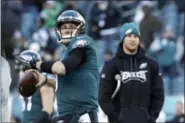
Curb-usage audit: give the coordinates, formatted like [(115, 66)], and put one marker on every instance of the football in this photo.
[(27, 83)]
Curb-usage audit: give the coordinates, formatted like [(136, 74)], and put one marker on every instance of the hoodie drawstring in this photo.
[(140, 99), (135, 65), (131, 64), (132, 102)]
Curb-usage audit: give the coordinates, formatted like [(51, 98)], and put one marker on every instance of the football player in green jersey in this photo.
[(77, 70)]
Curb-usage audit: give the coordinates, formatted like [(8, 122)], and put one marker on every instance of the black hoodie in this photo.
[(141, 91)]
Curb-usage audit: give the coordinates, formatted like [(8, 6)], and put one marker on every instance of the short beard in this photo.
[(130, 51)]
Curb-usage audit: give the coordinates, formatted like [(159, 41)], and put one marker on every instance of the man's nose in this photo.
[(133, 38), (68, 31)]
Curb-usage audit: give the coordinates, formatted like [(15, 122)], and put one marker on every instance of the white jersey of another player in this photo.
[(4, 88)]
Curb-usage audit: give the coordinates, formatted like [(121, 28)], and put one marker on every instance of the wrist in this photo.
[(43, 80), (46, 66)]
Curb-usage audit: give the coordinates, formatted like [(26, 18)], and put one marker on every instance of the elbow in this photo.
[(58, 68), (58, 72)]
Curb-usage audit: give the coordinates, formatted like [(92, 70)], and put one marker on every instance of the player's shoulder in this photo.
[(83, 37), (82, 41)]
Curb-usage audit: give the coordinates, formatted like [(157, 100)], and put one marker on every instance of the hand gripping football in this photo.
[(28, 82)]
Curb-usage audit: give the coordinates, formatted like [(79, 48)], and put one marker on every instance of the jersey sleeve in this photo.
[(75, 59)]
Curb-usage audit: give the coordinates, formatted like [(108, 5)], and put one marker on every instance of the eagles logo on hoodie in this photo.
[(139, 75)]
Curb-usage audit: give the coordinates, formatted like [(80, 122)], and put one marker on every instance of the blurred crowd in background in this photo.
[(162, 36)]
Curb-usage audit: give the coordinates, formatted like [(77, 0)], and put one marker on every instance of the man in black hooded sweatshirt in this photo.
[(140, 97)]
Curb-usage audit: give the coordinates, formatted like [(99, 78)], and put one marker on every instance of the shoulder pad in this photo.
[(80, 44)]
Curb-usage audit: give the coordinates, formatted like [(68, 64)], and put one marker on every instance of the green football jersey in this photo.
[(78, 90)]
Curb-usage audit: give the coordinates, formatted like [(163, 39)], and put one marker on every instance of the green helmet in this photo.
[(70, 16)]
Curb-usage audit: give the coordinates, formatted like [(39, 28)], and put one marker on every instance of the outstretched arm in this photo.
[(76, 58)]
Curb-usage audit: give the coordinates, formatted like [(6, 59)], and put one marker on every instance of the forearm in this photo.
[(74, 60), (55, 67), (47, 96)]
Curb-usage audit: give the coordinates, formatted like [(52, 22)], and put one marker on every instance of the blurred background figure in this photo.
[(71, 5), (30, 12), (50, 12), (149, 25), (10, 11), (29, 24), (179, 114), (166, 50), (107, 56), (5, 91), (105, 19)]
